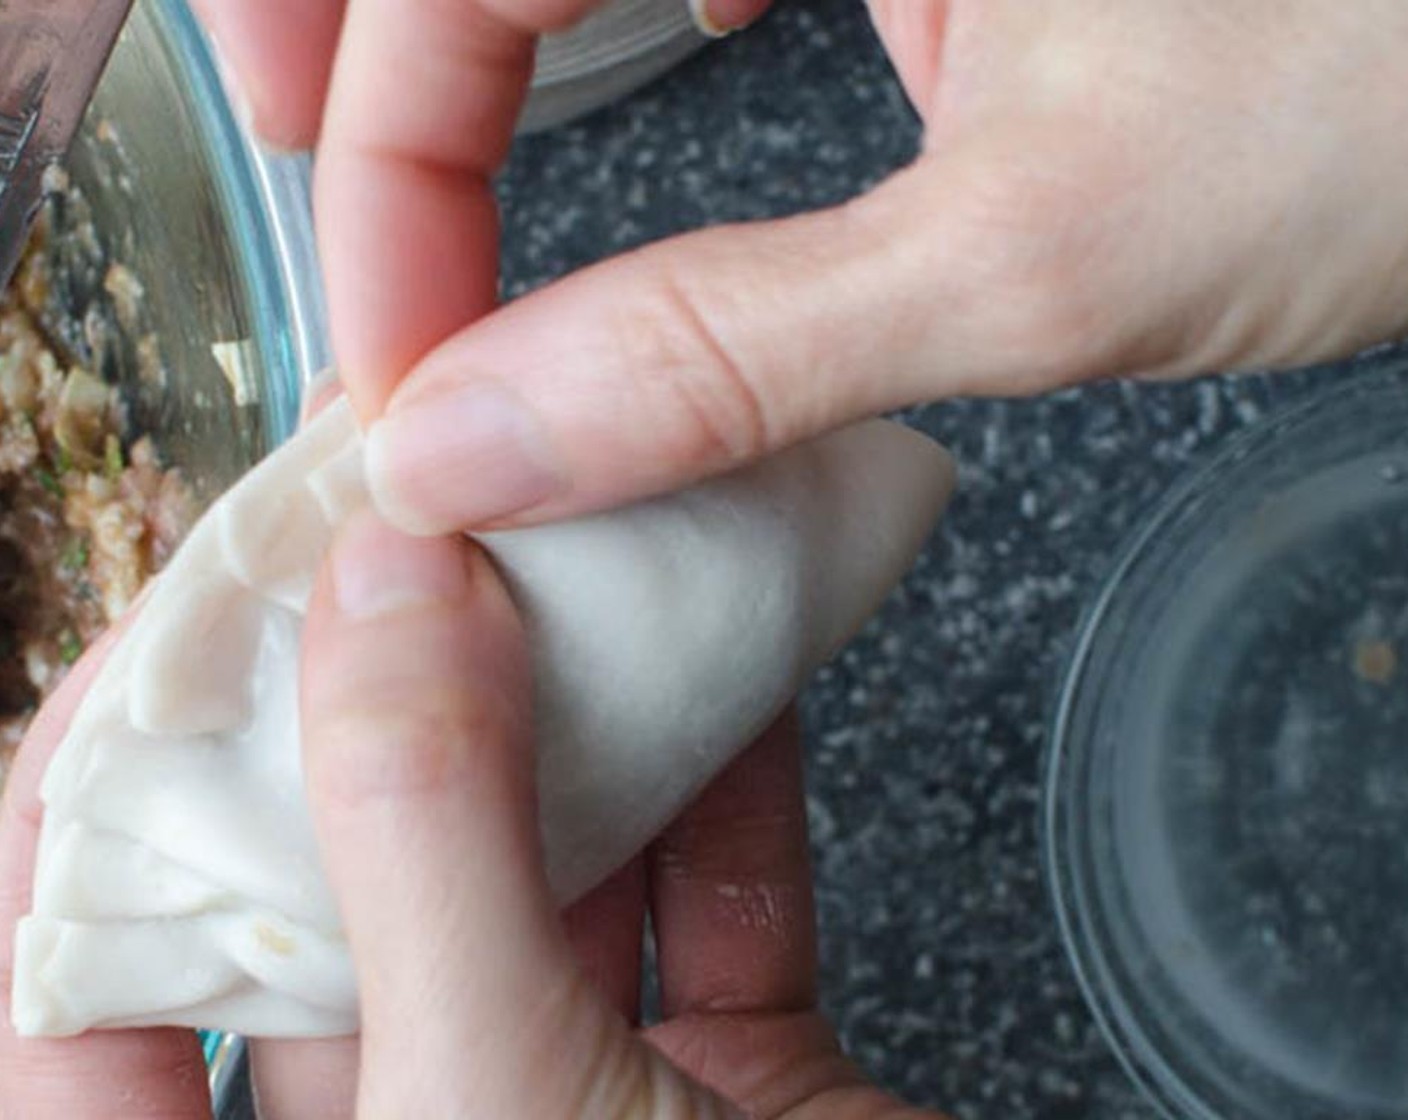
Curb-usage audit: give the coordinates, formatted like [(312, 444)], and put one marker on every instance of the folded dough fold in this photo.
[(178, 881)]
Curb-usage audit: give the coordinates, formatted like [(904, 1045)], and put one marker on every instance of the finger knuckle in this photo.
[(707, 400), (625, 1080), (1033, 235), (369, 754)]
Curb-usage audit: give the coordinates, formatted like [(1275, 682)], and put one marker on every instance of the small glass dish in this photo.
[(1226, 805)]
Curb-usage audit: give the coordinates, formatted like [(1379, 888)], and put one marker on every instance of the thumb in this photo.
[(420, 770), (693, 356)]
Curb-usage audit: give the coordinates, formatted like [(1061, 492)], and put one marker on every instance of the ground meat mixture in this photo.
[(85, 518)]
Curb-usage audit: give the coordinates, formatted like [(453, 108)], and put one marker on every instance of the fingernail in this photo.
[(377, 571), (460, 459), (715, 18)]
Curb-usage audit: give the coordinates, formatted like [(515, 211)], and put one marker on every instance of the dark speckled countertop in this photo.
[(942, 962)]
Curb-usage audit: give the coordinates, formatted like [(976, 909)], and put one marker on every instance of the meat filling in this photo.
[(85, 518)]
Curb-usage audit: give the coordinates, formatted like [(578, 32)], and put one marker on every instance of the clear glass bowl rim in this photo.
[(266, 201), (1115, 1010)]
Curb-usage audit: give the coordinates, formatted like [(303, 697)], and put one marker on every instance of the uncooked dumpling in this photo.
[(178, 881)]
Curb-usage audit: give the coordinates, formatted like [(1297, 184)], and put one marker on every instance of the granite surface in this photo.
[(942, 962)]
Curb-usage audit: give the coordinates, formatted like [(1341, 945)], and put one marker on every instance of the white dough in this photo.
[(178, 881)]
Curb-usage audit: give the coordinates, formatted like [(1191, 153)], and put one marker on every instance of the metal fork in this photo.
[(52, 53)]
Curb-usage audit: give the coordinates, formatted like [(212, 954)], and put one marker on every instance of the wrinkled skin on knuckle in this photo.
[(392, 749), (702, 400), (617, 1079), (1029, 251), (606, 1072), (774, 1065)]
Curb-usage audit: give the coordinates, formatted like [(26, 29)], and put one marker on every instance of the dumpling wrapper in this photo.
[(178, 881)]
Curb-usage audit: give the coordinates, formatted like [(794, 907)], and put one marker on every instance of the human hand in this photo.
[(477, 1000), (1106, 188), (411, 124)]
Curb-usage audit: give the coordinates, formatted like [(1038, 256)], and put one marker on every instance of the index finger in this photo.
[(420, 113), (280, 54), (113, 1075)]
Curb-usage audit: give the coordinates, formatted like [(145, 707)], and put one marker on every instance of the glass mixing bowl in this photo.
[(1227, 796), (217, 235)]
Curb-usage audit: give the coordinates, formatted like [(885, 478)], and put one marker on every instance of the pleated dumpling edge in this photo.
[(178, 881)]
